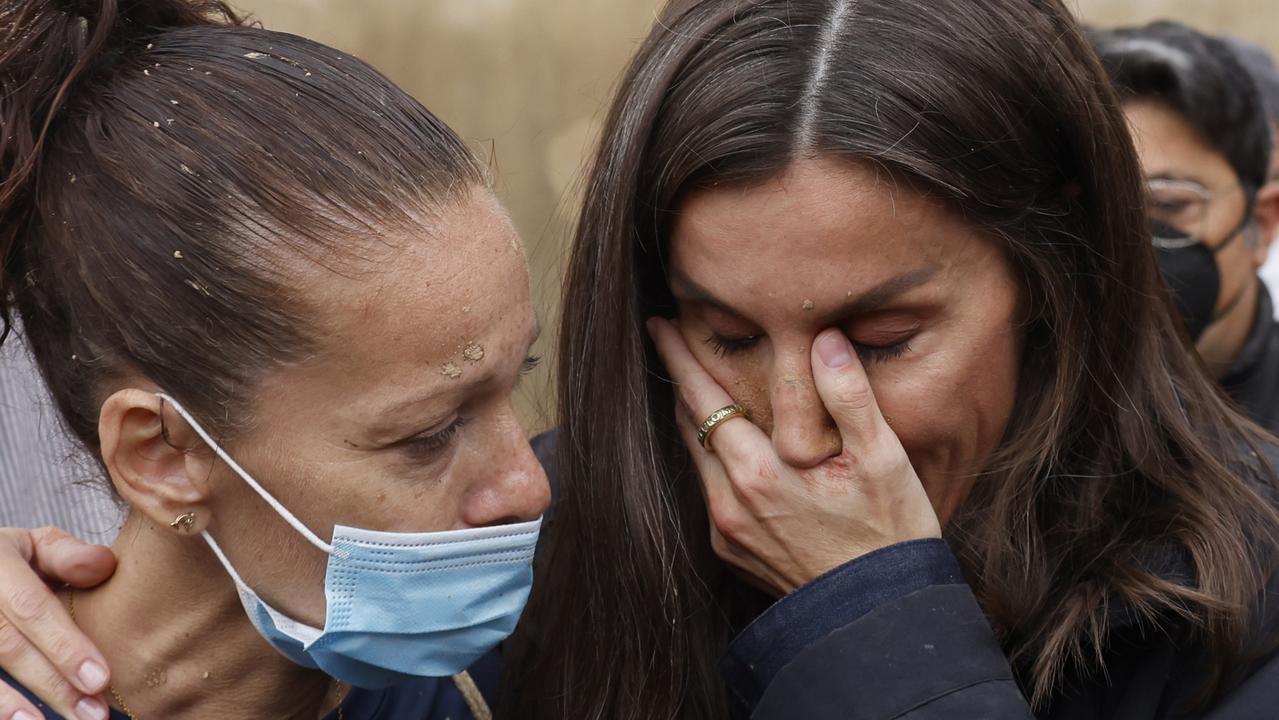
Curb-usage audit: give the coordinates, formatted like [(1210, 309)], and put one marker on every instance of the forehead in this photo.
[(822, 225), (409, 312), (1169, 145)]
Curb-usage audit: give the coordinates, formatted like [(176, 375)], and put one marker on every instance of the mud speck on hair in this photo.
[(451, 371), (473, 352), (809, 305)]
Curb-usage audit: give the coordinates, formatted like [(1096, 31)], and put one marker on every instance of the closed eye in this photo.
[(725, 346), (869, 354), (530, 364), (428, 444)]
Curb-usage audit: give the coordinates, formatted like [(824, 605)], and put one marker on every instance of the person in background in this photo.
[(1261, 66), (44, 478), (1205, 144)]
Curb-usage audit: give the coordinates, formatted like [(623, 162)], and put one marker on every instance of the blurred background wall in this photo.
[(526, 82)]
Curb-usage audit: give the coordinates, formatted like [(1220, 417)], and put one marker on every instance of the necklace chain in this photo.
[(115, 695)]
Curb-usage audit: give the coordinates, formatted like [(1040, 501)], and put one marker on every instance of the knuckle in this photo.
[(886, 460), (61, 649), (855, 393), (12, 642), (18, 541), (29, 603), (727, 522), (57, 688), (48, 536), (719, 546)]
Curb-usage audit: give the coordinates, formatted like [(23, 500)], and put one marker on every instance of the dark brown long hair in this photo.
[(164, 169), (1119, 449)]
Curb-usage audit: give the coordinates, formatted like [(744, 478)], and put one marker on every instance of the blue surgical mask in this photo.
[(397, 605)]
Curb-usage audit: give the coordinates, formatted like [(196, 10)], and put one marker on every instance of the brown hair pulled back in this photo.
[(163, 170), (1120, 448)]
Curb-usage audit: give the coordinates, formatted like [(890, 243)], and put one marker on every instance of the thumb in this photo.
[(844, 389), (58, 556)]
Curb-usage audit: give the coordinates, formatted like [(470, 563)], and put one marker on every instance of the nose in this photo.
[(804, 435), (511, 485)]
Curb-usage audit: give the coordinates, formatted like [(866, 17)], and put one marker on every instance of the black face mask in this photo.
[(1190, 269), (1192, 275)]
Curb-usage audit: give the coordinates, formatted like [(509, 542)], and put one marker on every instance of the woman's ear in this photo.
[(147, 449), (1267, 215)]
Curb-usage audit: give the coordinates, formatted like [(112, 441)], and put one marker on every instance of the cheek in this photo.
[(950, 409), (749, 389), (744, 377)]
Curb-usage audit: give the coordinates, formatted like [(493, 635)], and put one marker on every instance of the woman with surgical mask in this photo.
[(275, 297)]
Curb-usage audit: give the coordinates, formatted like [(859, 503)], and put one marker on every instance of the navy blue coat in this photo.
[(898, 635)]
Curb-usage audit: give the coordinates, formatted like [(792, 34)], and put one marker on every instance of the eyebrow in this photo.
[(866, 302)]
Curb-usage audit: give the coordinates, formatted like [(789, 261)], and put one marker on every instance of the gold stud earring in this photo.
[(183, 522)]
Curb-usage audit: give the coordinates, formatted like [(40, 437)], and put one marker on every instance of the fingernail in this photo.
[(92, 676), (833, 349), (91, 709), (23, 715)]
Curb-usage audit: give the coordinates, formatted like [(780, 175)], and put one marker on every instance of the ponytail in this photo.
[(161, 164), (47, 47)]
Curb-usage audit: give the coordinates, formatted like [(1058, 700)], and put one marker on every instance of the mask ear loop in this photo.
[(1248, 222), (275, 504)]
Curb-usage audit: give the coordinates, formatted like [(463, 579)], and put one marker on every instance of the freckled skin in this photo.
[(837, 229), (325, 443)]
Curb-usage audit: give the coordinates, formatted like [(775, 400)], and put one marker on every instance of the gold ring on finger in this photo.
[(716, 418)]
